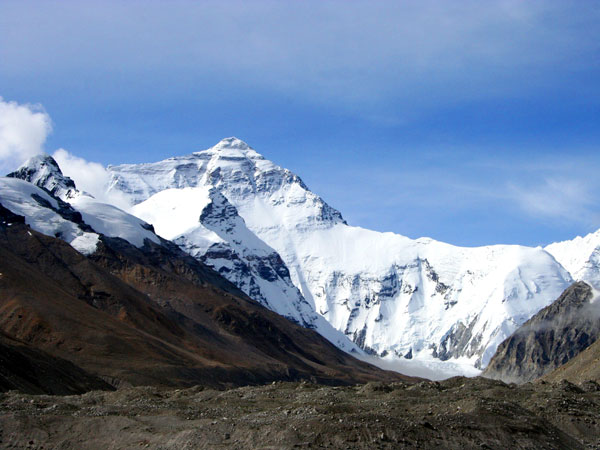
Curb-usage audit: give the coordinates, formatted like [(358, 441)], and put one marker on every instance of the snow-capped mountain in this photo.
[(580, 256), (46, 215), (146, 315), (207, 226), (43, 171), (180, 198), (391, 295), (203, 222), (74, 216)]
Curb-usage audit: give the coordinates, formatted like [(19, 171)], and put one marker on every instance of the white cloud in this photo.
[(90, 177), (23, 132), (562, 199)]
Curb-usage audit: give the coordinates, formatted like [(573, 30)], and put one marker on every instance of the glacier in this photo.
[(580, 256)]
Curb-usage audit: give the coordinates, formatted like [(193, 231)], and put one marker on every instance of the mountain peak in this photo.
[(42, 161), (232, 143), (43, 171)]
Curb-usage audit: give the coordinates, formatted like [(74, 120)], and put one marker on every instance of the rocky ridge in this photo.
[(551, 338)]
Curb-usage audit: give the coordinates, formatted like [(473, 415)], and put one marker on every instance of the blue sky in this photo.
[(470, 122)]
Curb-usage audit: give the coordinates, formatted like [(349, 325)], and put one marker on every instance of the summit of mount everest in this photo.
[(261, 227)]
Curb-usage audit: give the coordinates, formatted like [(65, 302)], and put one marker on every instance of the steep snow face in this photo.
[(44, 214), (44, 172), (204, 224), (391, 295), (580, 256), (420, 298)]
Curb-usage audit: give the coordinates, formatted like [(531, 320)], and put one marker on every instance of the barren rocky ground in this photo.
[(456, 413)]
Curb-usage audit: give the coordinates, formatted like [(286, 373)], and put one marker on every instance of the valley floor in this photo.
[(455, 413)]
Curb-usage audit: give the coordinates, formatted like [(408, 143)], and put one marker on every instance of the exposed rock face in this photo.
[(551, 338), (583, 368), (43, 171)]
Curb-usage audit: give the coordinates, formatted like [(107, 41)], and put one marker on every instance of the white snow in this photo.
[(345, 272), (112, 221), (17, 196), (43, 171), (580, 256), (87, 243), (172, 212), (175, 214), (430, 368)]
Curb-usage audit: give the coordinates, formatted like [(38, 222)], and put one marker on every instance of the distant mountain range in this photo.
[(259, 226)]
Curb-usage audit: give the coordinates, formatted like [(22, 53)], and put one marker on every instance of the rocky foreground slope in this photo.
[(458, 413), (584, 366), (25, 368)]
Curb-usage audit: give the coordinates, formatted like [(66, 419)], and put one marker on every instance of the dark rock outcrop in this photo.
[(549, 339)]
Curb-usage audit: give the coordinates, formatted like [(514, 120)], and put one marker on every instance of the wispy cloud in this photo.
[(90, 177), (23, 132), (567, 200)]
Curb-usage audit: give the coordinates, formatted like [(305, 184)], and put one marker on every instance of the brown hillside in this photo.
[(156, 318)]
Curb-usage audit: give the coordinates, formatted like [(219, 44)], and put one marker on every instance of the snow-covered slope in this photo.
[(393, 296), (114, 222), (209, 228), (580, 256), (41, 173), (44, 214)]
